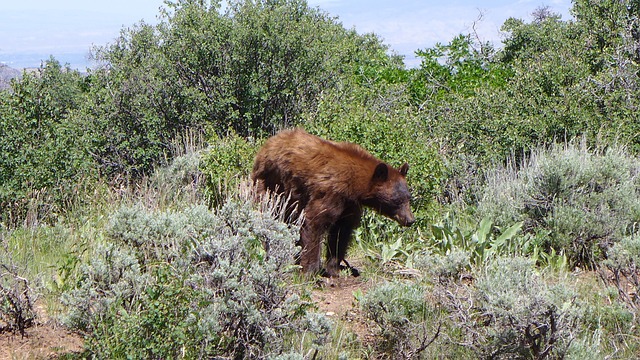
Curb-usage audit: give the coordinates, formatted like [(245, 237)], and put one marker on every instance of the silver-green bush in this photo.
[(518, 315), (571, 199), (444, 268), (525, 316), (192, 283), (408, 323), (623, 263)]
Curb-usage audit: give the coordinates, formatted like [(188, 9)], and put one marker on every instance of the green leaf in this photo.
[(483, 230), (507, 234)]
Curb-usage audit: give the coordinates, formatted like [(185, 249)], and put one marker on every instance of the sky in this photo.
[(32, 30)]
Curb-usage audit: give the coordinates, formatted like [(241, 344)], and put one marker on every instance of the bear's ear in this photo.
[(381, 173), (404, 169)]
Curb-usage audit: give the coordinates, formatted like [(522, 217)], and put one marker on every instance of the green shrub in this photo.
[(571, 200), (225, 164), (252, 68), (543, 86), (190, 283), (44, 166)]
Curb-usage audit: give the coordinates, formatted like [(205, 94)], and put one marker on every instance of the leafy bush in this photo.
[(460, 67), (190, 283), (43, 165), (552, 80), (570, 199), (226, 163), (251, 69)]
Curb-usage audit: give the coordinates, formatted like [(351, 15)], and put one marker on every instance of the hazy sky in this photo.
[(31, 30)]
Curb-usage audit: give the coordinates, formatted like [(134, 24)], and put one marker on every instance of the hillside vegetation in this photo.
[(126, 209)]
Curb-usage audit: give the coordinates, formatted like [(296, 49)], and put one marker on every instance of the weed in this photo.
[(17, 297)]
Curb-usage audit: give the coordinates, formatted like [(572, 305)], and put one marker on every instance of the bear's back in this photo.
[(296, 157)]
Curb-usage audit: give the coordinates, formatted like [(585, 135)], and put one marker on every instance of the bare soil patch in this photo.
[(40, 342), (44, 340), (336, 299)]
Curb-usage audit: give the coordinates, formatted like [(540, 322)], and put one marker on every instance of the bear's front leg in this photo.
[(339, 239)]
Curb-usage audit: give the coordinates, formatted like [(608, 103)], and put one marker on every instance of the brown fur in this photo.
[(331, 182)]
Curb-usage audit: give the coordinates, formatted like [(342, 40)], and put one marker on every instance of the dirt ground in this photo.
[(42, 341), (336, 299)]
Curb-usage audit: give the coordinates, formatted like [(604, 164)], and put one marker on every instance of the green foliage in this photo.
[(569, 199), (459, 67), (397, 251), (136, 105), (42, 163), (259, 65), (252, 69), (191, 283), (225, 163), (553, 80), (483, 243), (386, 243)]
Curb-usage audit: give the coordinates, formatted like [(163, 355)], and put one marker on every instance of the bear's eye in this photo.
[(401, 194)]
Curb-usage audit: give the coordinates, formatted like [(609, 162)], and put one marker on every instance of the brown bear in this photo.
[(331, 182)]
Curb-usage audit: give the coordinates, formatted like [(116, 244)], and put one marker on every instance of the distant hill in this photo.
[(6, 74)]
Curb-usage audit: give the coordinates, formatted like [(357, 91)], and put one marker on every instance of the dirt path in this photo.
[(336, 299), (40, 342), (45, 340)]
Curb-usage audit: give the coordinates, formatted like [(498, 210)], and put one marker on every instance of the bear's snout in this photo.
[(408, 221), (405, 218)]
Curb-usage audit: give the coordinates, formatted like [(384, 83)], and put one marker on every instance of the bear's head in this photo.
[(389, 194)]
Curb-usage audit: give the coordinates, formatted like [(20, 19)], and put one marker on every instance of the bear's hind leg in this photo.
[(314, 226)]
